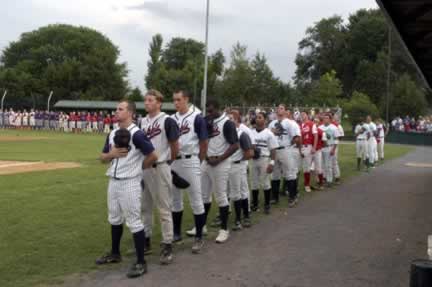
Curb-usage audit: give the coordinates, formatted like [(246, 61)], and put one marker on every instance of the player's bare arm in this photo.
[(174, 147), (315, 143), (272, 161), (203, 146)]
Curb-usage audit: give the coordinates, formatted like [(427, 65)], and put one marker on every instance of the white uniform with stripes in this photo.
[(124, 188), (188, 164), (215, 178)]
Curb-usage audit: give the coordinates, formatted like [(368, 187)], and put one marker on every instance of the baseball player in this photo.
[(361, 144), (381, 133), (223, 142), (124, 188), (25, 119), (287, 154), (238, 188), (163, 132), (107, 123), (336, 169), (330, 136), (263, 162), (317, 156), (100, 122), (193, 143), (32, 119), (280, 127), (309, 134), (371, 141)]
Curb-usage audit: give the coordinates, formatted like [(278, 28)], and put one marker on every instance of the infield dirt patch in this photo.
[(20, 139), (13, 167)]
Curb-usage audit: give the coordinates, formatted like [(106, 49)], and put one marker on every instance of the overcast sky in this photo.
[(273, 27)]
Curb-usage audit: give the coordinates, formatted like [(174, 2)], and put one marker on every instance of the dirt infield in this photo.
[(13, 167), (20, 139)]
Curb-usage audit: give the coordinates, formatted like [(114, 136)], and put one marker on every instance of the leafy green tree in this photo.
[(74, 62), (358, 107), (326, 91), (407, 98), (136, 95)]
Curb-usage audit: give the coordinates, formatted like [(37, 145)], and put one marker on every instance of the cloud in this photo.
[(179, 13)]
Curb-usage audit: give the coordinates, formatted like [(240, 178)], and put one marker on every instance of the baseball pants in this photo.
[(215, 181), (106, 129), (190, 170), (328, 164), (158, 193), (307, 158), (335, 163), (372, 149), (361, 149), (124, 203), (260, 177), (381, 148), (237, 180), (282, 165)]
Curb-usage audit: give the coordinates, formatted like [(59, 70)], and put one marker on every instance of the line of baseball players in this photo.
[(76, 122), (214, 154)]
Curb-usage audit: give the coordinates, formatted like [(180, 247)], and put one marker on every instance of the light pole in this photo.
[(388, 75), (2, 99), (204, 91), (49, 100)]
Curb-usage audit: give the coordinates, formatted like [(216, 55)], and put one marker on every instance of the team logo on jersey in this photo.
[(184, 128), (153, 130), (214, 131)]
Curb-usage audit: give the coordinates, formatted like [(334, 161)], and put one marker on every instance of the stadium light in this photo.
[(3, 98), (49, 100), (204, 90)]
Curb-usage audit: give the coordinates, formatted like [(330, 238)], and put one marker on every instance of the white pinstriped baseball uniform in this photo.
[(124, 188), (192, 130)]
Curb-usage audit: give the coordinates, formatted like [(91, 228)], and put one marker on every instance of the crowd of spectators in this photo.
[(422, 124)]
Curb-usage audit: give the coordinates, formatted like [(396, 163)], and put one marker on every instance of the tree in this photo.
[(154, 64), (74, 62), (407, 98), (265, 87), (136, 95), (358, 107), (327, 91)]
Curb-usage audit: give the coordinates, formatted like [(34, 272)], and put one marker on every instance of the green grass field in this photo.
[(54, 223)]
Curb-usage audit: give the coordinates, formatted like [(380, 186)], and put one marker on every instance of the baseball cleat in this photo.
[(166, 256), (177, 239), (247, 222), (308, 189), (237, 226), (222, 236), (137, 270), (192, 232), (292, 202), (109, 258), (197, 245)]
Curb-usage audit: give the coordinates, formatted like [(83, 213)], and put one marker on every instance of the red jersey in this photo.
[(107, 120), (308, 130), (94, 119), (114, 120), (88, 118), (320, 143)]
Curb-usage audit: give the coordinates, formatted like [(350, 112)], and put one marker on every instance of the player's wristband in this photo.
[(272, 162)]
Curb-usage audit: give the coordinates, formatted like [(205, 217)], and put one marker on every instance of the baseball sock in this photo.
[(295, 187), (275, 189), (206, 211), (223, 211), (237, 209), (291, 187), (255, 197), (177, 220), (286, 187), (245, 206), (307, 179), (139, 240), (358, 162), (116, 234), (267, 194), (321, 178), (199, 224)]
